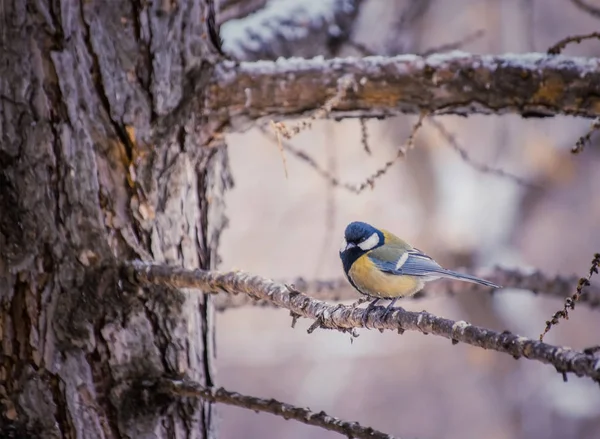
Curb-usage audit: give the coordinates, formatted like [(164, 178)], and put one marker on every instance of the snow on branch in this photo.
[(533, 85), (347, 319), (191, 389), (336, 290), (290, 28)]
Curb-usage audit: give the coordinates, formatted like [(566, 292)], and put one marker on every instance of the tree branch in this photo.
[(560, 46), (346, 319), (581, 4), (236, 9), (291, 28), (336, 290), (190, 389), (570, 301), (533, 85)]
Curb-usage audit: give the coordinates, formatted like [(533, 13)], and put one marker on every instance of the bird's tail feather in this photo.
[(468, 278)]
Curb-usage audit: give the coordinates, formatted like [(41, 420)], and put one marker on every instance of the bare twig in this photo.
[(344, 85), (346, 319), (366, 51), (330, 207), (581, 4), (575, 297), (469, 38), (402, 150), (336, 290), (236, 9), (278, 135), (192, 389), (362, 49), (369, 182), (364, 135), (583, 140), (481, 167), (559, 47)]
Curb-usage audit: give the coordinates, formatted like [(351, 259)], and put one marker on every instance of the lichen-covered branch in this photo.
[(335, 290), (533, 85), (570, 301), (290, 28), (191, 389), (346, 319)]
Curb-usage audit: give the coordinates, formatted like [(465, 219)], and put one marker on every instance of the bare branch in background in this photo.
[(582, 4), (347, 319), (469, 38), (291, 28), (559, 47), (192, 389), (481, 167), (571, 300), (345, 84), (369, 182), (236, 9), (337, 290), (585, 139), (366, 51), (364, 135), (533, 85)]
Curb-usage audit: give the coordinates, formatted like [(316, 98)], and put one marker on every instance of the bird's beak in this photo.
[(349, 246)]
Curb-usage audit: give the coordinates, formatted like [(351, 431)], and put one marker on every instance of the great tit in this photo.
[(383, 267)]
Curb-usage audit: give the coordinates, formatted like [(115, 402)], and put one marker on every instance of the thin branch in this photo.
[(337, 290), (481, 167), (364, 135), (559, 47), (191, 389), (581, 4), (586, 138), (237, 9), (369, 182), (575, 297), (286, 28), (345, 84), (347, 319), (278, 142), (469, 38), (363, 50), (533, 85)]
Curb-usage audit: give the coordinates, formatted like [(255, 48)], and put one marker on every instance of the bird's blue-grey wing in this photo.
[(410, 263)]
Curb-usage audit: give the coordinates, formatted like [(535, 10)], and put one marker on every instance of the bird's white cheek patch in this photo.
[(343, 246), (370, 242), (402, 260)]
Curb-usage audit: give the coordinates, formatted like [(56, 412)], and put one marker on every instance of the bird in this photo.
[(382, 266)]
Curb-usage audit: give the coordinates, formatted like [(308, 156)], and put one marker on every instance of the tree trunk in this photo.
[(82, 188)]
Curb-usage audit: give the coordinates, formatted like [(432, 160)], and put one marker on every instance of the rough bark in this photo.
[(81, 83), (532, 85)]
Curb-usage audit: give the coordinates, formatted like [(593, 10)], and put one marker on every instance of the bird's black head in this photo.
[(359, 238)]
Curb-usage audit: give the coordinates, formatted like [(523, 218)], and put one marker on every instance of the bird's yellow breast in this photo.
[(374, 282)]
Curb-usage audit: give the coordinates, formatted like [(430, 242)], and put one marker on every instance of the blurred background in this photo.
[(415, 385)]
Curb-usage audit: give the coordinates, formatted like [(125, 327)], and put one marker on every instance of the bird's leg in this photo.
[(367, 309), (388, 309)]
